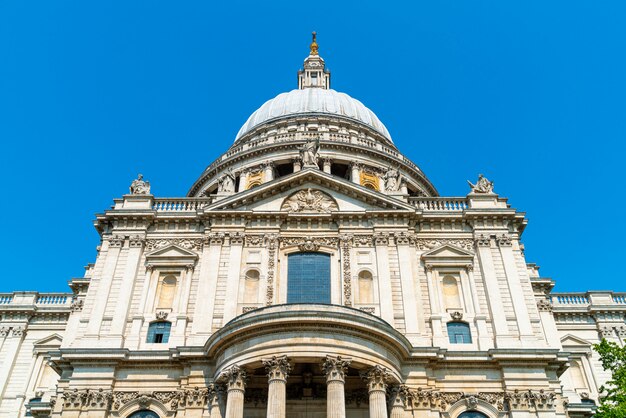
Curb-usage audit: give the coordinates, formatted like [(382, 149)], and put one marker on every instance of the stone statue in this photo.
[(392, 180), (139, 186), (483, 185), (309, 152), (226, 183)]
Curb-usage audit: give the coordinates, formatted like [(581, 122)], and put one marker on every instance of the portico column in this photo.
[(335, 369), (278, 369), (268, 171), (297, 164), (399, 396), (355, 172), (326, 163), (377, 378), (235, 378)]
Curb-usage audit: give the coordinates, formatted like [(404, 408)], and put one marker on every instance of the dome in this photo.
[(312, 101)]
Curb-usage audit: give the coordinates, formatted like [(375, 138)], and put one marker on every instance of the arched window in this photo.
[(472, 414), (167, 291), (143, 414), (459, 333), (366, 287), (159, 332), (308, 278), (450, 289), (251, 291)]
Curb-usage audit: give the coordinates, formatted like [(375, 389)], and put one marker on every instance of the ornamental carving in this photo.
[(621, 331), (502, 401), (606, 332), (105, 399), (278, 368), (18, 331), (136, 241), (400, 395), (429, 244), (309, 241), (309, 200), (271, 240), (77, 305), (381, 239), (186, 243), (140, 186), (161, 315), (215, 238), (483, 241), (376, 378), (308, 245), (335, 368), (116, 241), (402, 238), (235, 378), (482, 186), (456, 316), (309, 152), (544, 305), (363, 240), (4, 331), (346, 268), (236, 238), (504, 240)]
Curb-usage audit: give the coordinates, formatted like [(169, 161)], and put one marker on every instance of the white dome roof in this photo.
[(313, 100)]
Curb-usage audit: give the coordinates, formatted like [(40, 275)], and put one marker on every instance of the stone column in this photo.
[(268, 171), (377, 378), (278, 369), (297, 164), (243, 181), (326, 162), (399, 396), (355, 173), (335, 369), (235, 378)]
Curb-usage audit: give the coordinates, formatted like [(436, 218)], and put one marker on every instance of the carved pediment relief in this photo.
[(309, 200)]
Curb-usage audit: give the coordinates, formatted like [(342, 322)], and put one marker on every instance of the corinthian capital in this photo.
[(335, 368), (278, 368), (235, 378), (400, 395), (376, 378)]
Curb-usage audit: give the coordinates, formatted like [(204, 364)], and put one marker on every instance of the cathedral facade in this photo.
[(312, 270)]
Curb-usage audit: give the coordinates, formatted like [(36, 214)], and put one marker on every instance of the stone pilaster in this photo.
[(278, 369), (235, 378), (335, 369), (377, 378), (398, 401), (215, 401)]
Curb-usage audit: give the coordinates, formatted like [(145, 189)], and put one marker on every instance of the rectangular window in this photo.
[(308, 278)]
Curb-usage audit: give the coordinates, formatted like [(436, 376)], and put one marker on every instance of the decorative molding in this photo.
[(309, 200), (402, 238), (346, 241), (368, 309), (77, 305), (215, 238), (186, 243), (236, 238), (308, 245), (310, 241), (381, 239), (430, 244), (161, 315), (18, 331), (363, 240)]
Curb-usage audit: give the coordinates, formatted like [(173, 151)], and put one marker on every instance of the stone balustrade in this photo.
[(33, 299), (189, 204), (592, 298), (448, 204)]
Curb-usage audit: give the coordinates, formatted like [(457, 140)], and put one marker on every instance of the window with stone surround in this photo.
[(459, 332), (308, 278), (159, 332)]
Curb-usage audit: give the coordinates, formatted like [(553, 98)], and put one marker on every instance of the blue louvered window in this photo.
[(159, 332), (144, 414), (459, 333), (472, 414), (308, 278)]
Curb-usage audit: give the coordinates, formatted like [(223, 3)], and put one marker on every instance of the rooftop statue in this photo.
[(482, 186), (309, 152), (139, 186)]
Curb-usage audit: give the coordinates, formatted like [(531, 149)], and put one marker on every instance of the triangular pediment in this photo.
[(51, 342), (171, 255), (570, 340), (448, 255), (326, 194)]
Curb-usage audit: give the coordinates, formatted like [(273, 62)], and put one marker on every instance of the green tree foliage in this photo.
[(613, 403)]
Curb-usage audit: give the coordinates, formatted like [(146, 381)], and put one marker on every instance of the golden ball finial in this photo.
[(314, 44)]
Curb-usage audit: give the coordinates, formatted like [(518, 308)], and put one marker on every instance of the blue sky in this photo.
[(532, 94)]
